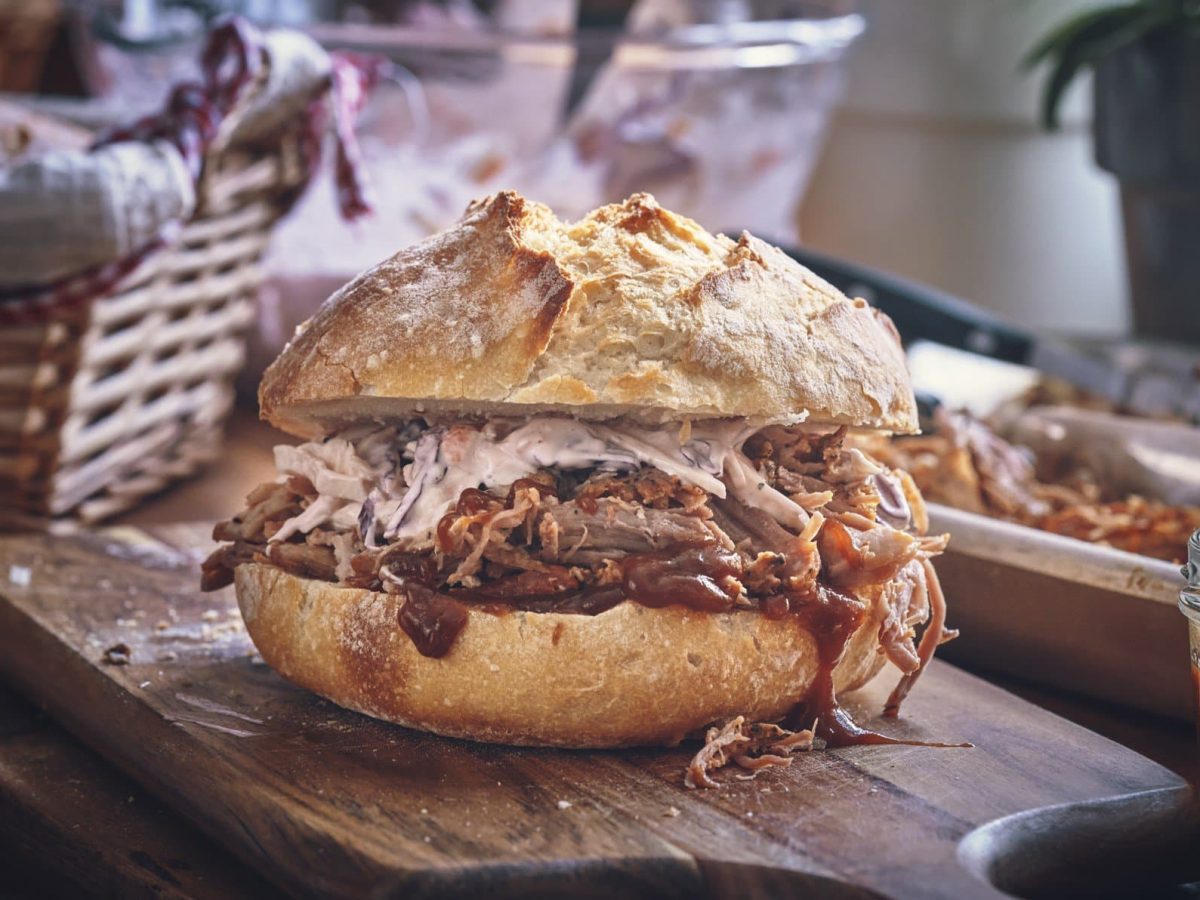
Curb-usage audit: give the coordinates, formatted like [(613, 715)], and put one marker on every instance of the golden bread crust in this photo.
[(632, 311)]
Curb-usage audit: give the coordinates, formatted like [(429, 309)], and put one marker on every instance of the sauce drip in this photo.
[(430, 619), (833, 618), (687, 575)]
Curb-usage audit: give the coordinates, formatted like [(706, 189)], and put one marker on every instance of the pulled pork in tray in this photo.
[(557, 515), (964, 464)]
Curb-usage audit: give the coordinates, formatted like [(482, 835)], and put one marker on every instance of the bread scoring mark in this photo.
[(634, 265), (555, 288), (641, 212)]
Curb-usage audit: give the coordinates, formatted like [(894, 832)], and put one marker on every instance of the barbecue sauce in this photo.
[(691, 575), (406, 566), (544, 488), (432, 620), (471, 502), (832, 618), (475, 501), (588, 601), (685, 575)]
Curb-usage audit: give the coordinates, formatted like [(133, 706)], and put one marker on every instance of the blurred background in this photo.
[(899, 133)]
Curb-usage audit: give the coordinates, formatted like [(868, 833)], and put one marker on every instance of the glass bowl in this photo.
[(719, 114)]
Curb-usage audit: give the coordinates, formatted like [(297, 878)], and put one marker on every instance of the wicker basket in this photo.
[(120, 396)]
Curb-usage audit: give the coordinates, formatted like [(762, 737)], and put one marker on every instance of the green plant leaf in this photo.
[(1066, 32), (1082, 45)]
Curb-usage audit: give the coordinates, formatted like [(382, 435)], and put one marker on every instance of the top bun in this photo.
[(631, 311)]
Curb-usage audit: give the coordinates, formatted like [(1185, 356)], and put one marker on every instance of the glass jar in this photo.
[(1189, 604)]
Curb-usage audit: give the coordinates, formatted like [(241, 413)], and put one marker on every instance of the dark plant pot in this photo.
[(1147, 133)]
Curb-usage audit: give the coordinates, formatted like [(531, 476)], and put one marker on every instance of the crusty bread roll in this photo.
[(631, 311), (631, 676)]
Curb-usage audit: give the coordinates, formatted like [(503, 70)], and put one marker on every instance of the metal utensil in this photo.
[(598, 29)]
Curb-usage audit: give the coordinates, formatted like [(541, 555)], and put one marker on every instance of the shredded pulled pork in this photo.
[(907, 603), (463, 506), (750, 745), (964, 464), (934, 635)]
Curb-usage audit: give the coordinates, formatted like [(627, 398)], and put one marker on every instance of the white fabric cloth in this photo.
[(68, 210)]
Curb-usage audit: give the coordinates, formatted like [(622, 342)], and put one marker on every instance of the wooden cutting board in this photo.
[(327, 802), (54, 792)]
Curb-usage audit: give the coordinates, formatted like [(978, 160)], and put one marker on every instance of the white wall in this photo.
[(936, 169)]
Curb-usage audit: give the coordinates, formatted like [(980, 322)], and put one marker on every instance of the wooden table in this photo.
[(67, 817)]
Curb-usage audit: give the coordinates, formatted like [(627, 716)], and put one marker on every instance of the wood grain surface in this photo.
[(71, 825), (325, 802)]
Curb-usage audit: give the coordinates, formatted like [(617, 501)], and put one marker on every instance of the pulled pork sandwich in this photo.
[(584, 485)]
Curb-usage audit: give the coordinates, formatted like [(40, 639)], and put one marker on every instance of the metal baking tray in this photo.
[(1064, 613)]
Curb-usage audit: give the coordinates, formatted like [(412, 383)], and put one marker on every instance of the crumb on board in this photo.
[(118, 654), (565, 804), (672, 811)]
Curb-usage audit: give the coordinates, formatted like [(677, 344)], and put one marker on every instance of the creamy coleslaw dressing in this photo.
[(443, 461)]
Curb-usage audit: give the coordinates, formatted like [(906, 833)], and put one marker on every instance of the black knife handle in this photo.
[(920, 312)]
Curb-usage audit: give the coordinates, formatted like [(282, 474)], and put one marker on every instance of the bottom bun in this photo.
[(631, 676)]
